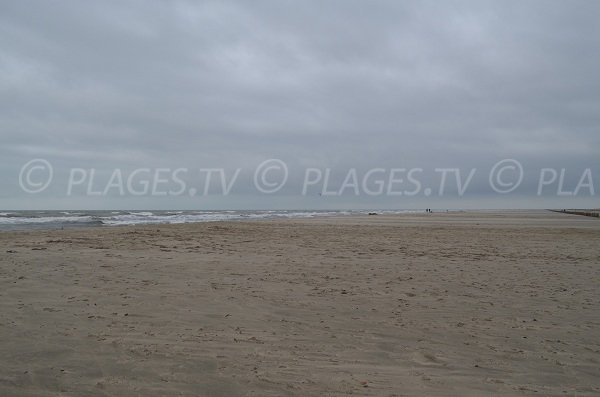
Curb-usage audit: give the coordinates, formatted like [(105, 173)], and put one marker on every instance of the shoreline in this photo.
[(359, 213)]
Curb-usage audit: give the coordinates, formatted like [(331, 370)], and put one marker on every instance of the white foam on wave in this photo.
[(116, 218), (143, 218), (138, 219), (45, 219)]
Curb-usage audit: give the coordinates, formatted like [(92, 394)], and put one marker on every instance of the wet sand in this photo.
[(451, 304)]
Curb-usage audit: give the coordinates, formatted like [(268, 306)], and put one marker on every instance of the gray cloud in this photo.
[(321, 84)]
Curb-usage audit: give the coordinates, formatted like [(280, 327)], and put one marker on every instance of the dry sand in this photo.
[(442, 304)]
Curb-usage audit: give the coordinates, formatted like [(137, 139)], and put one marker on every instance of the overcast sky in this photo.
[(321, 84)]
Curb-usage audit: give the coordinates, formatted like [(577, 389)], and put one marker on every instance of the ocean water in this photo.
[(19, 220)]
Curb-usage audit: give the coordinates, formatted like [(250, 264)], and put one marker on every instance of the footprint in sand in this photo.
[(428, 359)]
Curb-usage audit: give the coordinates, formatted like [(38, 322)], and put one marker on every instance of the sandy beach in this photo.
[(469, 304)]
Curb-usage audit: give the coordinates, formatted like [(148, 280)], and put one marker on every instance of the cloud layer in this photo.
[(336, 84)]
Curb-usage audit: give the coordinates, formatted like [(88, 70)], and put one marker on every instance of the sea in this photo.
[(22, 220)]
